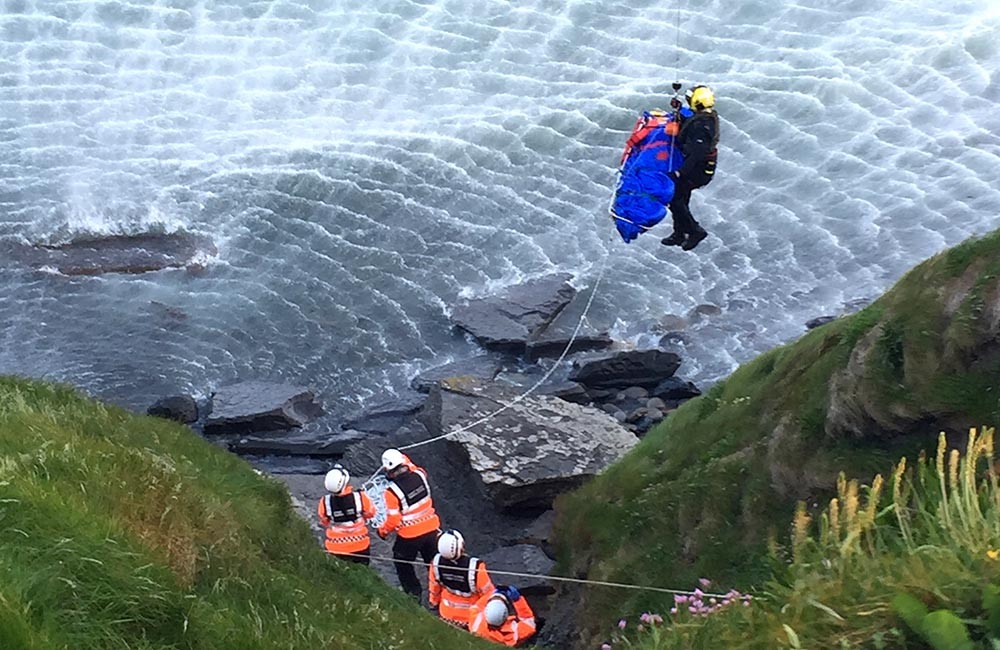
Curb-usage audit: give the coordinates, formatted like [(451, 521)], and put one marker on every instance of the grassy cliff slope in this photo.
[(119, 531), (701, 495)]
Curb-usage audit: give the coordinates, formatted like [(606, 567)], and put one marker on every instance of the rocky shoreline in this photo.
[(495, 481)]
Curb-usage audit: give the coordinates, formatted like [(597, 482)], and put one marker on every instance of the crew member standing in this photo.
[(343, 513), (411, 515)]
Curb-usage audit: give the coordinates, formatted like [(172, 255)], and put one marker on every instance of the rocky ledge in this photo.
[(114, 254)]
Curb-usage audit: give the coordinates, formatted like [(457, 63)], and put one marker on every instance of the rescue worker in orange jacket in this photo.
[(343, 513), (411, 515), (456, 580), (503, 617)]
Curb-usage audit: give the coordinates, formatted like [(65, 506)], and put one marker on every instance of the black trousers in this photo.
[(684, 222), (408, 549)]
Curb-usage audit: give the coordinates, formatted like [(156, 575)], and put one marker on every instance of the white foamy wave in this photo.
[(362, 168)]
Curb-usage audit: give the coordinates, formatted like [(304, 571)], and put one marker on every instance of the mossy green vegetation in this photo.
[(703, 493), (119, 531), (912, 561)]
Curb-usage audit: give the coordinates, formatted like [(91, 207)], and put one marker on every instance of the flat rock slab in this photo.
[(386, 416), (484, 366), (254, 406), (552, 339), (506, 321), (623, 369), (318, 444), (522, 558), (531, 452), (116, 254)]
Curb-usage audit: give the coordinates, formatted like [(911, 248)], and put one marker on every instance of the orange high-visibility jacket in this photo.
[(454, 586), (343, 515), (518, 628), (410, 507)]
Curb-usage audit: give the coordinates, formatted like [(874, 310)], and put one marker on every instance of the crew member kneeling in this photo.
[(504, 617), (457, 581)]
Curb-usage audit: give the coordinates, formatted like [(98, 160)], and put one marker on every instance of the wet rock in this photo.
[(645, 368), (569, 391), (318, 444), (704, 311), (522, 558), (551, 340), (528, 454), (507, 321), (388, 415), (670, 323), (674, 388), (672, 339), (254, 406), (181, 408), (820, 320), (114, 254), (484, 366)]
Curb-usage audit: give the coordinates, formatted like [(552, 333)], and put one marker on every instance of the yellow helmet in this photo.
[(700, 97)]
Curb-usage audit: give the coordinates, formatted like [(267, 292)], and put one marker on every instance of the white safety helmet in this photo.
[(336, 479), (391, 459), (451, 545), (496, 611)]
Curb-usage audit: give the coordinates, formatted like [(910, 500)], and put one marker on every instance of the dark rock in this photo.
[(671, 339), (113, 254), (624, 369), (569, 391), (386, 416), (319, 444), (670, 323), (656, 403), (536, 449), (539, 532), (675, 388), (551, 340), (704, 311), (181, 408), (819, 320), (632, 393), (260, 406), (507, 321), (644, 424), (522, 558), (484, 366)]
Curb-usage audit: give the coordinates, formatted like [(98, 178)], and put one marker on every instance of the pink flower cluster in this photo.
[(700, 604), (697, 603)]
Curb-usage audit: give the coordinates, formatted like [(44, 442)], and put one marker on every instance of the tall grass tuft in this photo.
[(913, 566), (119, 531)]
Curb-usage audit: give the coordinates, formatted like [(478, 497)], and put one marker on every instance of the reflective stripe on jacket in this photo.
[(409, 506), (343, 515), (518, 628), (454, 586)]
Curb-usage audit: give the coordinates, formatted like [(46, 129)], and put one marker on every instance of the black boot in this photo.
[(694, 238), (675, 239)]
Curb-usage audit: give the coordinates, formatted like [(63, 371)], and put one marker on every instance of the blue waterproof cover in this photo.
[(644, 186)]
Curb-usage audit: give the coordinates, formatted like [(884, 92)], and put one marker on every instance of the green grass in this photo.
[(119, 531), (912, 562), (701, 495)]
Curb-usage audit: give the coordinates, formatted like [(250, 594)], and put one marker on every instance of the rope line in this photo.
[(537, 384), (517, 574)]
